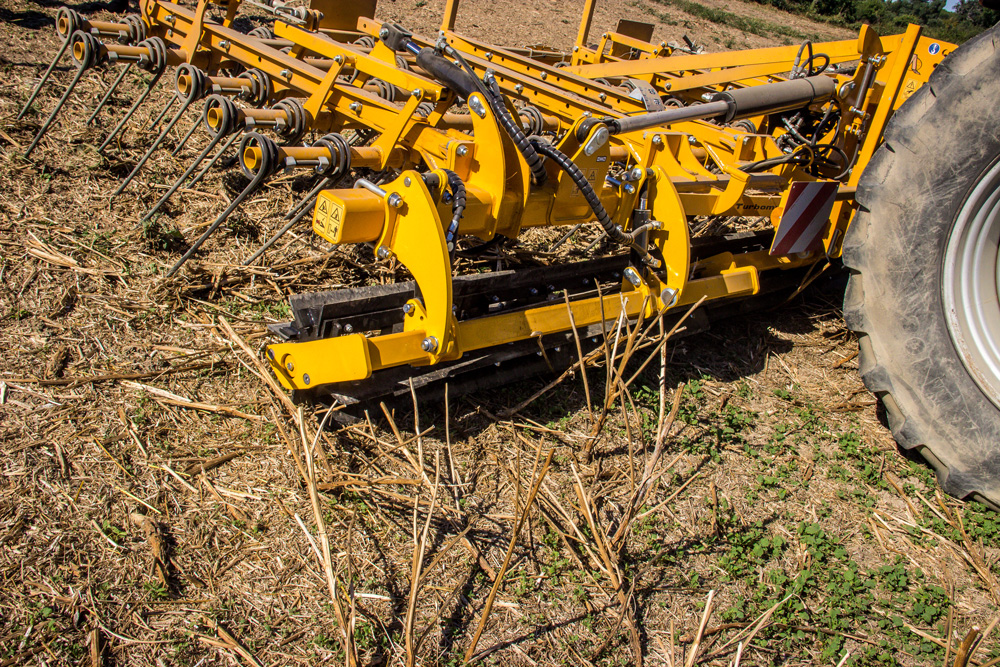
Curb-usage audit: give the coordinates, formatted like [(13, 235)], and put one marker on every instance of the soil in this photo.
[(160, 505)]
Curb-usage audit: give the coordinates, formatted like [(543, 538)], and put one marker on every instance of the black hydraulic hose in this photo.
[(513, 130), (458, 200), (613, 231)]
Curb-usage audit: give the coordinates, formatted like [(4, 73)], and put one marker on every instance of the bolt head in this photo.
[(657, 140), (417, 92), (635, 174), (692, 140), (305, 378), (348, 328), (383, 33), (286, 74), (394, 200), (461, 151), (338, 59), (429, 344), (544, 75), (518, 87), (408, 308), (628, 188), (383, 252), (603, 96), (407, 181), (290, 367)]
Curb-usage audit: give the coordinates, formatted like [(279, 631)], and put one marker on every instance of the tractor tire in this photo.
[(923, 253)]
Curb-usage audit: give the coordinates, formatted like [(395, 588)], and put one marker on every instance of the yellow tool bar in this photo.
[(780, 55)]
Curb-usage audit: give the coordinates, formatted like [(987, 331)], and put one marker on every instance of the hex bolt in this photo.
[(628, 187), (383, 252), (518, 88), (417, 92), (632, 276), (289, 366), (489, 55), (692, 140), (286, 74), (355, 107), (575, 49), (429, 344), (224, 44), (657, 140), (408, 308), (544, 75), (395, 200), (635, 174), (348, 328), (461, 151), (383, 33), (603, 96), (305, 378)]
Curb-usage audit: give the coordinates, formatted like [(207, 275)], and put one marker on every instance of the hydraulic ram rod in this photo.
[(739, 103)]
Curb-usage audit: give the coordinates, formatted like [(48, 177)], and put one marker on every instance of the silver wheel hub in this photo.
[(971, 284)]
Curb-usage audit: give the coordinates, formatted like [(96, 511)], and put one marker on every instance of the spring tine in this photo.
[(128, 114), (152, 149), (215, 158), (187, 135), (45, 77), (170, 103), (305, 201), (177, 184), (107, 95), (302, 209), (565, 238), (52, 116), (247, 191)]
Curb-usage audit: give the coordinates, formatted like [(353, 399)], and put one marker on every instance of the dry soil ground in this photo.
[(154, 508)]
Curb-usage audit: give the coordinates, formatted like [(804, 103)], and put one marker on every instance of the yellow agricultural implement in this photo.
[(706, 177)]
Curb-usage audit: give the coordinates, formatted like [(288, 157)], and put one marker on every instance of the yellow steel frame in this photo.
[(688, 170)]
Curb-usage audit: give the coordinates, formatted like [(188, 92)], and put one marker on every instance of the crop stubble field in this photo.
[(162, 504)]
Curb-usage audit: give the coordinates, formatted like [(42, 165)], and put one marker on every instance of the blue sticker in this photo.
[(934, 49)]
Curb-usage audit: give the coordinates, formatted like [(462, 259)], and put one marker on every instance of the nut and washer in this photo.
[(417, 92), (462, 151), (355, 107), (408, 308), (395, 200), (429, 344), (383, 252), (286, 74)]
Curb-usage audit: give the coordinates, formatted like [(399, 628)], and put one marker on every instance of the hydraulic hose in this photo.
[(613, 231), (458, 200), (513, 130)]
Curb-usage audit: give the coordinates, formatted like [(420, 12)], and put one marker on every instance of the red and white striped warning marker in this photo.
[(807, 211)]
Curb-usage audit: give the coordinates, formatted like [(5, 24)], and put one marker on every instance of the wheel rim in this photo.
[(972, 283)]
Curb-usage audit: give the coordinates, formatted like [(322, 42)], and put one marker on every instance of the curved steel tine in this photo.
[(258, 179), (187, 135), (107, 95), (177, 184), (128, 114), (52, 116), (305, 201), (215, 158), (152, 149), (166, 108), (45, 77), (303, 208)]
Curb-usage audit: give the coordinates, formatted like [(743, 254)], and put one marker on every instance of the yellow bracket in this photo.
[(413, 233)]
